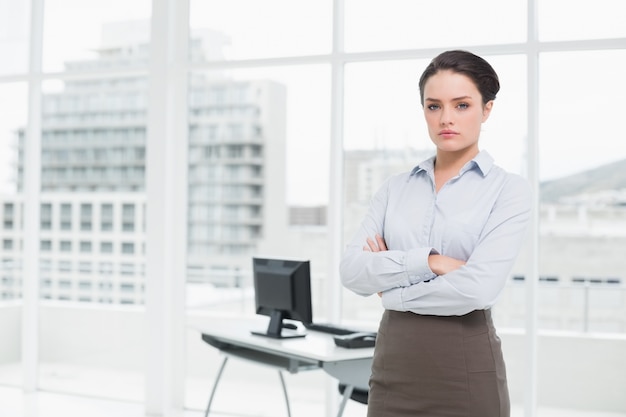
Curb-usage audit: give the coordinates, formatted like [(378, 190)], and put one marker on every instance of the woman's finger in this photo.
[(381, 242), (372, 245)]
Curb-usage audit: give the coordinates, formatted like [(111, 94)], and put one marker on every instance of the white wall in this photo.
[(10, 323)]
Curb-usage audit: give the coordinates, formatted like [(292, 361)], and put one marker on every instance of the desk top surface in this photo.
[(315, 345)]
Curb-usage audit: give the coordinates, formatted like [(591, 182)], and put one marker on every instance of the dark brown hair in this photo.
[(476, 68)]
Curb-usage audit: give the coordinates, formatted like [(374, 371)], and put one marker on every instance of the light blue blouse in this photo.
[(479, 216)]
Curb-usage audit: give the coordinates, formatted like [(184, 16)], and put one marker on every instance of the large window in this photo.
[(291, 118), (91, 134), (583, 193)]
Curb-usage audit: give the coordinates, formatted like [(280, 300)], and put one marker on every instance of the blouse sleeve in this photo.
[(478, 283), (367, 273)]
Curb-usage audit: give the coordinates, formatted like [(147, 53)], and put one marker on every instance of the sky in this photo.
[(382, 106)]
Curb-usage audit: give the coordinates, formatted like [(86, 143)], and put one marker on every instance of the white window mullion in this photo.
[(532, 166), (32, 187), (335, 198), (166, 193)]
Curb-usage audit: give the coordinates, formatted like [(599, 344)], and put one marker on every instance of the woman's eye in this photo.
[(433, 107), (463, 106)]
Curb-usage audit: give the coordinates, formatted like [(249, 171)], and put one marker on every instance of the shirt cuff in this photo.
[(417, 268), (392, 299)]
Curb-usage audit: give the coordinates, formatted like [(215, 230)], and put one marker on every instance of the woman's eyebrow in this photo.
[(454, 99)]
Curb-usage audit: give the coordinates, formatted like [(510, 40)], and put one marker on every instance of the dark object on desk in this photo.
[(221, 345), (356, 340), (282, 290), (290, 326), (358, 395), (330, 328)]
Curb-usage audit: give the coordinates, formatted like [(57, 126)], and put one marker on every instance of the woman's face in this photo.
[(454, 112)]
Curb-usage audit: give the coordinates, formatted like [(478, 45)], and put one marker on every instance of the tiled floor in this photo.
[(13, 403)]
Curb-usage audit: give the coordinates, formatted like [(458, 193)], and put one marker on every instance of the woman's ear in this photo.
[(487, 110)]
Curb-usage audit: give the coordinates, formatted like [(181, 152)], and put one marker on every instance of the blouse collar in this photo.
[(482, 161)]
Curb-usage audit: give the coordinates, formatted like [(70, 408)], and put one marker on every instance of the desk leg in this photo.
[(217, 380), (346, 396), (282, 381)]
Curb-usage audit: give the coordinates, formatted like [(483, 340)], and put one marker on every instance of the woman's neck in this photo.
[(448, 165), (453, 161)]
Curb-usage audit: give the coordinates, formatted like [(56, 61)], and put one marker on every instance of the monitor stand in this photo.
[(276, 329)]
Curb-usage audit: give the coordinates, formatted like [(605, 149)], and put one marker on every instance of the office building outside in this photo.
[(91, 247), (93, 163)]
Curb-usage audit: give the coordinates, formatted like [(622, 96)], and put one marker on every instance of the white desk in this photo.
[(314, 351)]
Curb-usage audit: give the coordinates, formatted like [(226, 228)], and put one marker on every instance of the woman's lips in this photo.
[(447, 133)]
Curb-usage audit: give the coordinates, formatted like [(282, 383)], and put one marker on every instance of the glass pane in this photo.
[(13, 107), (256, 149), (583, 205), (573, 120), (385, 134), (13, 102), (93, 136), (244, 29), (91, 251), (113, 33), (14, 35), (561, 20), (374, 25), (258, 160)]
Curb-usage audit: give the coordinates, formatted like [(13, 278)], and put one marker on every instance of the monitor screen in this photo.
[(282, 290)]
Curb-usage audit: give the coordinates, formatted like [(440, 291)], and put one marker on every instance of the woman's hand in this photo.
[(441, 264), (375, 245)]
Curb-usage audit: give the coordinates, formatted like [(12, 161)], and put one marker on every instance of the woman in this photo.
[(437, 245)]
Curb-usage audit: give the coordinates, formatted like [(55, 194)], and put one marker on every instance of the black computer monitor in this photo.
[(282, 290)]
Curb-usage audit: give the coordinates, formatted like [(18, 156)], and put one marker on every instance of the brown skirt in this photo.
[(438, 366)]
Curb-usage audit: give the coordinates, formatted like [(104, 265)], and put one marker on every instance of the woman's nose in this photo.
[(446, 117)]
